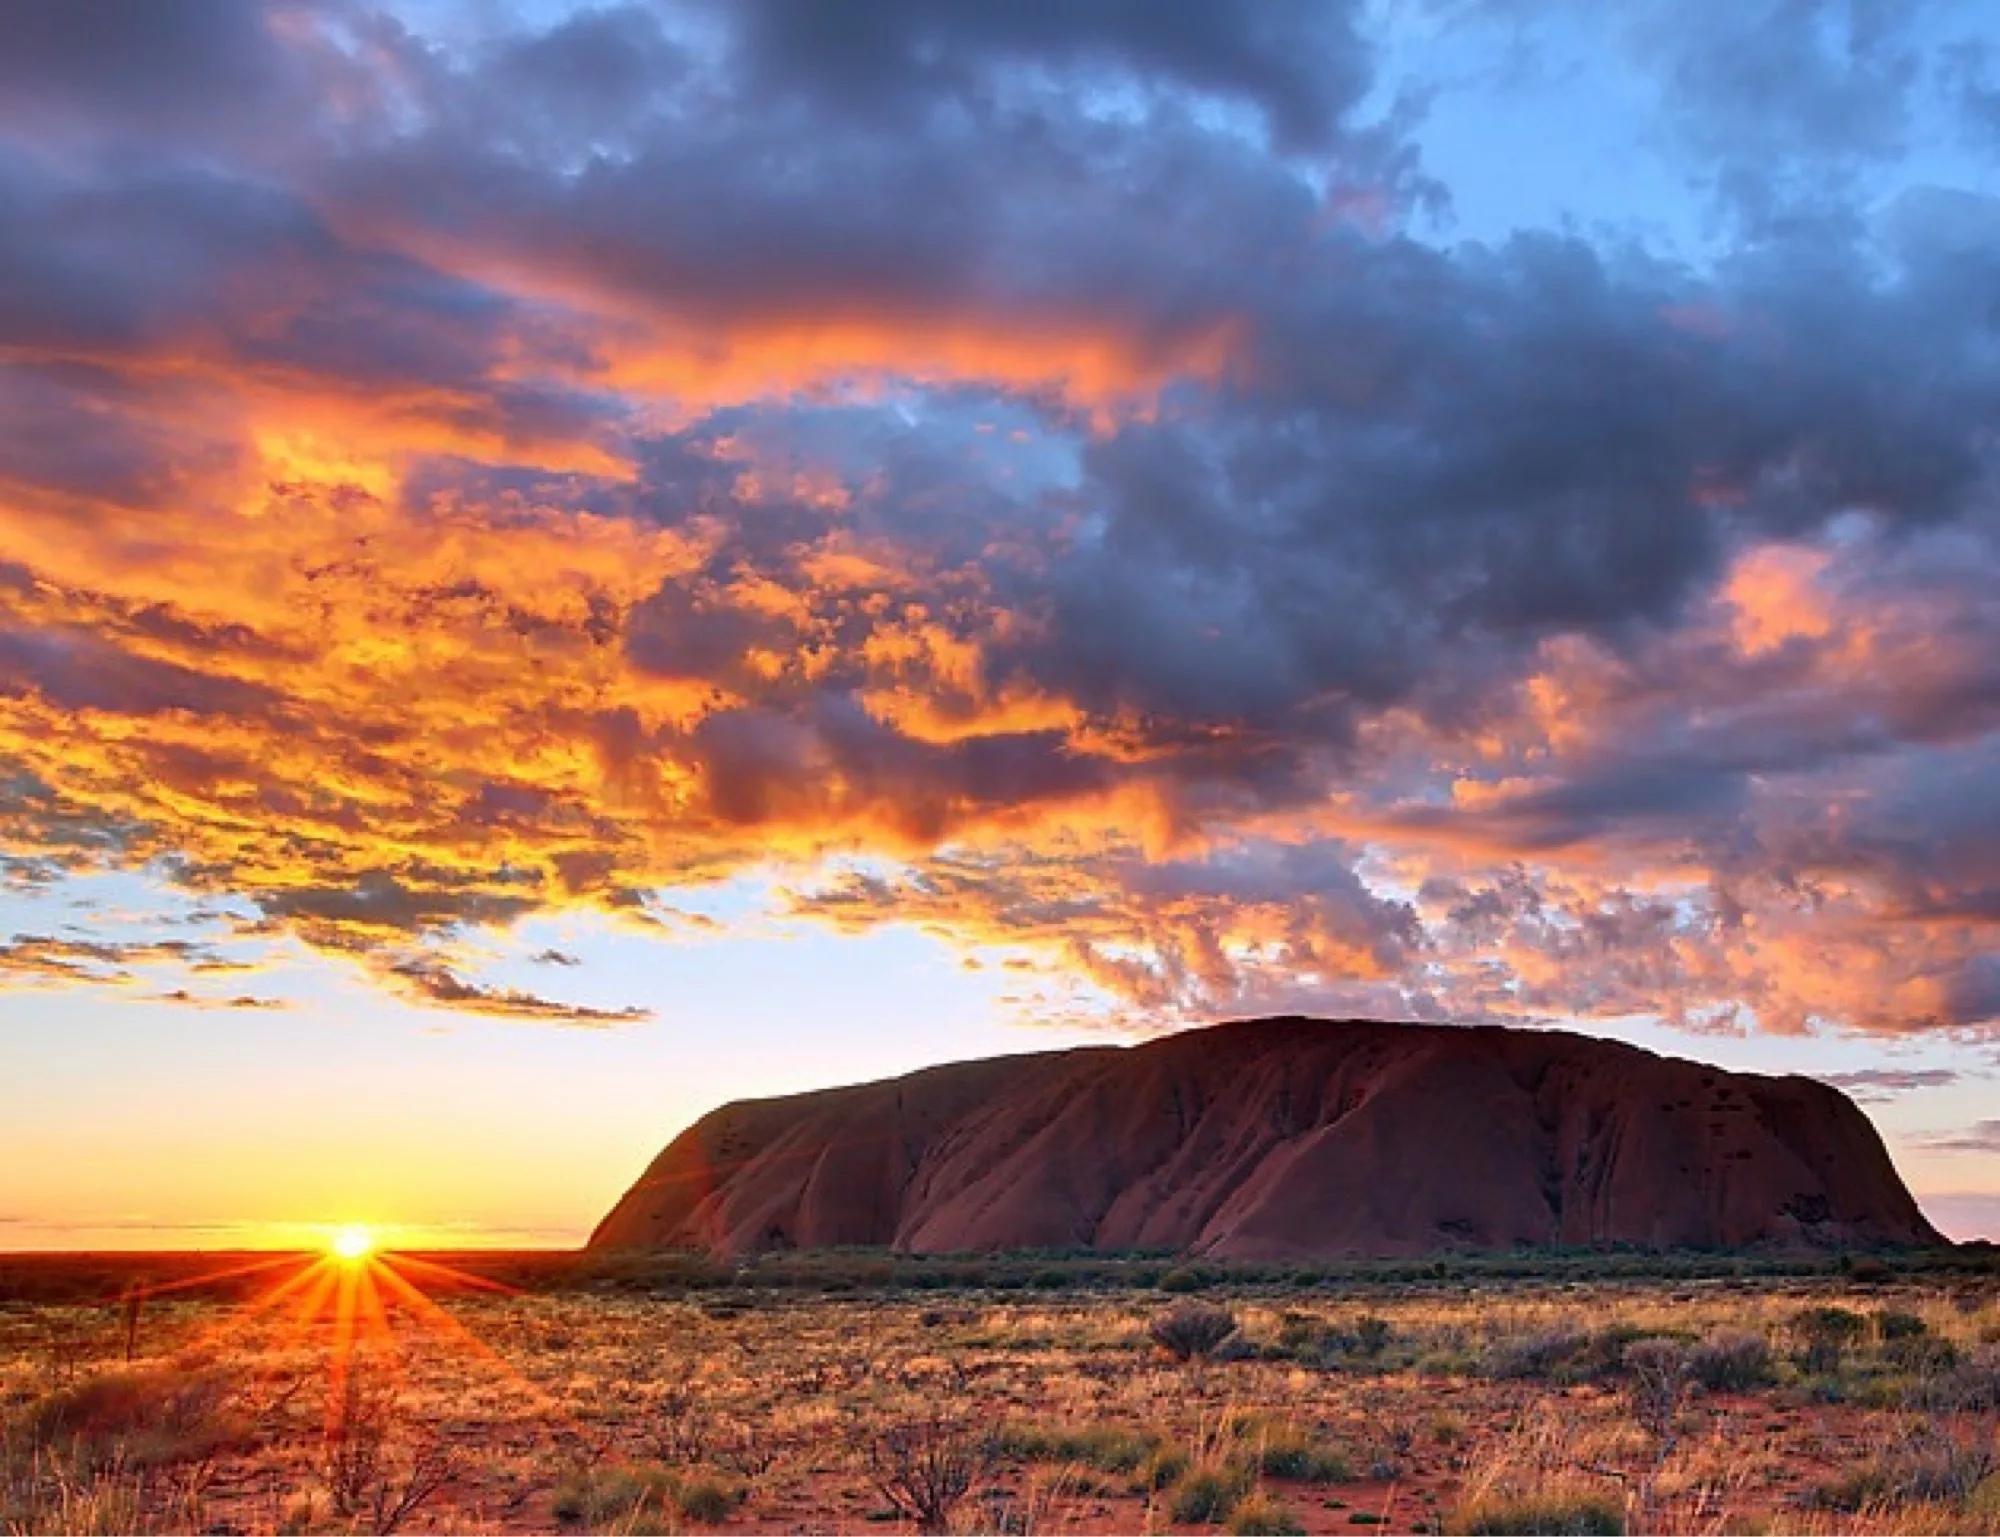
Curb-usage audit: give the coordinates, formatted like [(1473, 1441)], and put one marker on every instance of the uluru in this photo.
[(1285, 1138)]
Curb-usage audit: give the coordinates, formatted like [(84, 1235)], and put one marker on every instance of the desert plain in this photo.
[(866, 1392)]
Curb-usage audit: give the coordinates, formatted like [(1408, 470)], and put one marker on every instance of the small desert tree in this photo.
[(925, 1467)]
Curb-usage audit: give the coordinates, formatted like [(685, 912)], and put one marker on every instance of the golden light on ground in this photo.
[(352, 1242)]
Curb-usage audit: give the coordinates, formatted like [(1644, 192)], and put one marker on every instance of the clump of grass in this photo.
[(1260, 1516), (1163, 1469), (1112, 1448), (144, 1416), (1289, 1456), (1926, 1465), (708, 1500), (596, 1496), (1207, 1495), (1983, 1505), (1554, 1511)]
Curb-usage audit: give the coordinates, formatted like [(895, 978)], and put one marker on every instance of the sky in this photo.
[(560, 566)]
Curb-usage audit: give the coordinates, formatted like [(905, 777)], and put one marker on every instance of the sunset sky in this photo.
[(560, 566)]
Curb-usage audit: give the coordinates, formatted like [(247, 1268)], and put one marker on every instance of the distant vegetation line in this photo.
[(81, 1278)]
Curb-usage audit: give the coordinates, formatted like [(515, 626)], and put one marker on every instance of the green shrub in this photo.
[(1183, 1279)]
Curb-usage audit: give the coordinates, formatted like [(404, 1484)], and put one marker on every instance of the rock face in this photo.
[(1285, 1138)]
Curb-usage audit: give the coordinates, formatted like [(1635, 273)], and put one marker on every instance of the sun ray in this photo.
[(210, 1277), (429, 1314), (456, 1276)]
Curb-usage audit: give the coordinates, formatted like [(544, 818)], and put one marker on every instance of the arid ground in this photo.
[(862, 1393)]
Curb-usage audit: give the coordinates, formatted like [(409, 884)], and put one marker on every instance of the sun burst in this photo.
[(352, 1243)]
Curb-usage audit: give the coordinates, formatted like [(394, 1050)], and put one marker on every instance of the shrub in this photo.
[(1182, 1279), (1970, 1387), (1893, 1325), (1263, 1517), (1192, 1331), (1371, 1335), (1543, 1513), (708, 1500), (1655, 1383), (1924, 1353), (1824, 1335), (1207, 1495), (1731, 1361), (373, 1467), (1536, 1356), (925, 1467)]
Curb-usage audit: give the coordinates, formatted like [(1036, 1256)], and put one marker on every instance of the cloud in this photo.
[(53, 959), (1979, 1137), (983, 467), (1880, 1085), (182, 996), (432, 983)]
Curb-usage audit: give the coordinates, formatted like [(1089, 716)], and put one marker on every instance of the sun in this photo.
[(352, 1243)]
